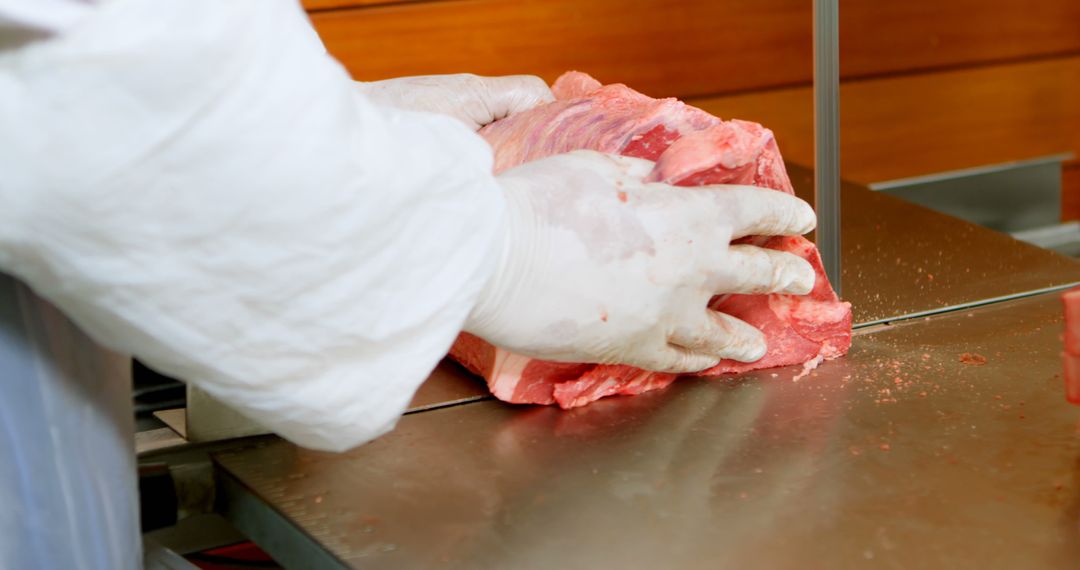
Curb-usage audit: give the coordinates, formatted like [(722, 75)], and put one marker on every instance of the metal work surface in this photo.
[(936, 443), (900, 259)]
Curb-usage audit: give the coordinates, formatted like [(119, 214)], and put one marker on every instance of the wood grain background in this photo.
[(928, 85)]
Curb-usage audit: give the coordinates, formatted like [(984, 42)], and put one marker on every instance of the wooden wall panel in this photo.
[(921, 124), (905, 126), (690, 47), (930, 85), (660, 47), (888, 36)]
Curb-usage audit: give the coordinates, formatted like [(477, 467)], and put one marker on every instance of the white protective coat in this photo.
[(197, 183)]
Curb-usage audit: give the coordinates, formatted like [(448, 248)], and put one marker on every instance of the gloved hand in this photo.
[(473, 99), (599, 266)]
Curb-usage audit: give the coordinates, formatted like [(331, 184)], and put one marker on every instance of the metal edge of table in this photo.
[(264, 525)]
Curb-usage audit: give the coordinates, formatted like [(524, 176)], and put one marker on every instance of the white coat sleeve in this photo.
[(197, 183)]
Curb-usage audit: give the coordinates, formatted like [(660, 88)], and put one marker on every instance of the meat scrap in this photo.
[(972, 359), (690, 148), (1071, 356)]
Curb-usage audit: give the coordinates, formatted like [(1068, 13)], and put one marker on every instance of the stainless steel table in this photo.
[(937, 443)]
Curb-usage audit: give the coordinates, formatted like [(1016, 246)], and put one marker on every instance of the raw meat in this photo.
[(1071, 356), (690, 148)]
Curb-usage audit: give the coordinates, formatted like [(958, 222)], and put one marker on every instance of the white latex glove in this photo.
[(473, 99), (599, 266)]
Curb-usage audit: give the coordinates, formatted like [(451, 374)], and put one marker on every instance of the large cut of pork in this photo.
[(690, 148)]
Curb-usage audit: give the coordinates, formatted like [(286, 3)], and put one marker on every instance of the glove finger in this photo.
[(754, 270), (763, 212), (722, 336), (676, 360), (511, 94)]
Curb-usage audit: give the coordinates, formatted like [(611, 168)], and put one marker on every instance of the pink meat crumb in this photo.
[(809, 367)]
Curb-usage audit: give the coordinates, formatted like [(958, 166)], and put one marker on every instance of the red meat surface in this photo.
[(690, 148)]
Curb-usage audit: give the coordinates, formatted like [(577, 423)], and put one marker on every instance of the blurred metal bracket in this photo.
[(207, 419), (1010, 197)]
